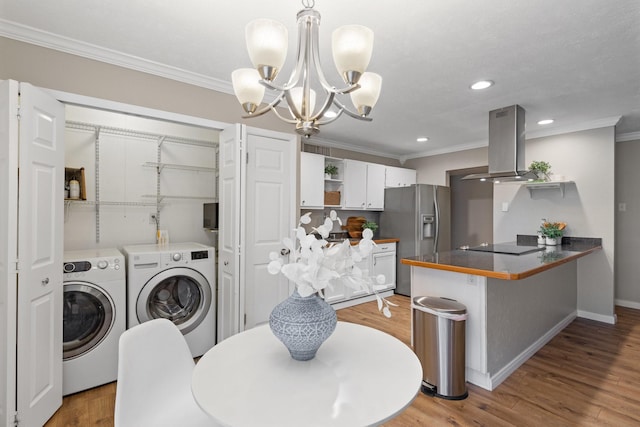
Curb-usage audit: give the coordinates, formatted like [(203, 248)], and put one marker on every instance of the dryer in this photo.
[(178, 282), (94, 316)]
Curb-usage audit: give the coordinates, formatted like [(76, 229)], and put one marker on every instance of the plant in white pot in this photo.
[(330, 171), (552, 231), (541, 169)]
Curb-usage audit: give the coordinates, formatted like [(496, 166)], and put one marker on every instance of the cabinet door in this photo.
[(375, 186), (385, 263), (399, 177), (311, 180), (355, 184), (337, 294), (365, 266)]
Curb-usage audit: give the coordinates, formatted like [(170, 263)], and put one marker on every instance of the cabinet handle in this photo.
[(285, 251), (226, 263), (45, 282)]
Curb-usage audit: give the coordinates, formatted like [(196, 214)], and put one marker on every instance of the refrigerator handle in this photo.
[(437, 219)]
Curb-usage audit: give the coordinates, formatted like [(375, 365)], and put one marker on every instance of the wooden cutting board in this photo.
[(354, 226)]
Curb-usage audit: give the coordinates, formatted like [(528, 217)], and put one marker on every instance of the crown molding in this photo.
[(446, 150), (631, 136), (346, 146), (593, 124), (48, 40)]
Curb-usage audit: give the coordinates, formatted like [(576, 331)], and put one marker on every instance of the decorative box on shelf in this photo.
[(332, 198)]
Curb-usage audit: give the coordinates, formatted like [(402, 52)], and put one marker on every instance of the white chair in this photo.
[(154, 379)]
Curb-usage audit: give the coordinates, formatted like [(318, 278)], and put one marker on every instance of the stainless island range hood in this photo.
[(506, 146)]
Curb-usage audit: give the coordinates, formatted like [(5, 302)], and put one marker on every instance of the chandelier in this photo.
[(267, 42)]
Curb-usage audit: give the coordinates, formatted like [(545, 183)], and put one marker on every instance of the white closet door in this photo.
[(229, 232), (40, 248), (270, 216), (8, 247)]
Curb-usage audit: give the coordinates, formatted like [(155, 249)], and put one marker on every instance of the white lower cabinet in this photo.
[(382, 260)]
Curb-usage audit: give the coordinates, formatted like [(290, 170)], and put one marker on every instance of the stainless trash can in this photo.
[(439, 342)]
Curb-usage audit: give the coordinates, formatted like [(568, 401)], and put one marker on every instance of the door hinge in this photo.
[(18, 113), (16, 421), (245, 319), (247, 158)]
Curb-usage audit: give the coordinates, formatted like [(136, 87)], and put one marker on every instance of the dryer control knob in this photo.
[(177, 256), (102, 264)]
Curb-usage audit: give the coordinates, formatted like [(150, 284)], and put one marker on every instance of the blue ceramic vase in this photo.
[(303, 324)]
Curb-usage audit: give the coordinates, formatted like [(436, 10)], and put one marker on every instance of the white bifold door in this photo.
[(257, 209), (31, 249)]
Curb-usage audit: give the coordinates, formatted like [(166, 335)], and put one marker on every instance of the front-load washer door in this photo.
[(88, 316), (179, 294)]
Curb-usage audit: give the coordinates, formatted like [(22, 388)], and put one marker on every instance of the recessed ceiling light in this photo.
[(482, 84), (422, 139), (545, 122)]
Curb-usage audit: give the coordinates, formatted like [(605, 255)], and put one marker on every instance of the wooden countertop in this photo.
[(380, 241), (502, 266)]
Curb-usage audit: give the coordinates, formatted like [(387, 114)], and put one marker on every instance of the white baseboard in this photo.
[(628, 304), (478, 378), (512, 366), (598, 317)]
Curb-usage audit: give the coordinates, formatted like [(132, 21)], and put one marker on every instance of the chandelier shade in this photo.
[(366, 97), (247, 87), (267, 43), (352, 46)]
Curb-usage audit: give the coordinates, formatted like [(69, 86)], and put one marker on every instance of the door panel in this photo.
[(270, 207), (8, 247), (229, 233), (40, 287)]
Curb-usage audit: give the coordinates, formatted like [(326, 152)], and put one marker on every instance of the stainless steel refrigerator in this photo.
[(418, 215)]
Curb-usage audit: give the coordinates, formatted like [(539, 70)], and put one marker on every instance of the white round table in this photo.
[(359, 377)]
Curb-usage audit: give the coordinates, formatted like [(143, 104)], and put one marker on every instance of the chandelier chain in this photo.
[(308, 4)]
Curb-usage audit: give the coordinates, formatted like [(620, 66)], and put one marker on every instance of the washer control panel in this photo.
[(184, 257), (104, 268)]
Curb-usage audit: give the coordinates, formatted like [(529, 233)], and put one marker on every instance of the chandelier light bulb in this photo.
[(352, 46), (365, 98), (267, 43), (247, 87), (297, 93)]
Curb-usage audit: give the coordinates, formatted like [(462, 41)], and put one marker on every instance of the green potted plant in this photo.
[(330, 171), (370, 225), (541, 169)]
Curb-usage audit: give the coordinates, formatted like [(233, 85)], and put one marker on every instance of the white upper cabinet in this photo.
[(399, 177), (375, 186), (311, 180), (363, 185)]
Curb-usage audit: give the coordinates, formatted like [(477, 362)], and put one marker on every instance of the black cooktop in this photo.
[(506, 248)]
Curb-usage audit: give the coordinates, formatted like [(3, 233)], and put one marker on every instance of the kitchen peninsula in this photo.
[(515, 303)]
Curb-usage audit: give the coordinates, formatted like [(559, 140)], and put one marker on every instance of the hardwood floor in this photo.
[(588, 375)]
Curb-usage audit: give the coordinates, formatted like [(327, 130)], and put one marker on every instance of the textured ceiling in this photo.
[(577, 61)]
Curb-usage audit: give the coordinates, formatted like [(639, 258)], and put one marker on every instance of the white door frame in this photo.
[(8, 248)]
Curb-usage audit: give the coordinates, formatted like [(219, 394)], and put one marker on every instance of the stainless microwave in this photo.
[(210, 216)]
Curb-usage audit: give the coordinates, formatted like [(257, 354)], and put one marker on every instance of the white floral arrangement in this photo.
[(315, 264)]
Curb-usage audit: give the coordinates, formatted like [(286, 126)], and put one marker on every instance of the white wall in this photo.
[(627, 269), (587, 157), (433, 169), (123, 178)]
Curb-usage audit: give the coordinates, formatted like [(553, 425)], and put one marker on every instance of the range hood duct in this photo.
[(506, 146)]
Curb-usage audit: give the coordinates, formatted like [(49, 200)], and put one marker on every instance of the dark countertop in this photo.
[(507, 267)]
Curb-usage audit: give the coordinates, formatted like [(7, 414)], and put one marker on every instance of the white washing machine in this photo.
[(178, 282), (94, 316)]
